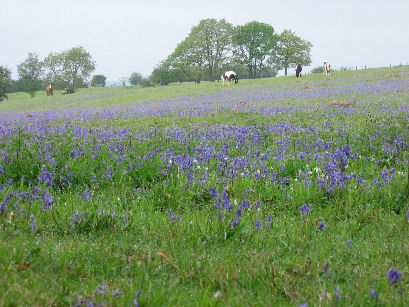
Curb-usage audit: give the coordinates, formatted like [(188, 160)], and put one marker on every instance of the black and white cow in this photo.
[(298, 69), (228, 76), (327, 68)]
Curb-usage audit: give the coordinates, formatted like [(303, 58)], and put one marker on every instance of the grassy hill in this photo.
[(270, 192)]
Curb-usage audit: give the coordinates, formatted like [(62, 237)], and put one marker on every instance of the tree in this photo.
[(202, 53), (5, 81), (292, 50), (318, 70), (69, 69), (30, 72), (135, 78), (98, 80), (253, 43)]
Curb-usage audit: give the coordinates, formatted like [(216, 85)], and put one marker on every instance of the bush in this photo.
[(145, 82), (318, 70)]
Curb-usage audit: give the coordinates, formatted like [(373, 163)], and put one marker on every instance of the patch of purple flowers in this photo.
[(305, 209)]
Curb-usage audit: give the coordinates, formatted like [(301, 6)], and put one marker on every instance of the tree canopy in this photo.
[(252, 50), (253, 44), (98, 80), (292, 50), (203, 53), (5, 81), (30, 74), (69, 69), (135, 78)]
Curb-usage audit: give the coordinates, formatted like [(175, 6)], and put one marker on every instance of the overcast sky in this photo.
[(125, 36)]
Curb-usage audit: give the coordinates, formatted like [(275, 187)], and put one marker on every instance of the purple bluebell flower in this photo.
[(394, 276), (86, 194), (101, 289), (305, 209), (258, 224), (321, 226), (373, 293), (257, 205), (348, 244), (234, 222), (213, 192), (303, 305), (117, 292), (407, 215), (326, 269), (337, 291), (171, 216), (135, 301)]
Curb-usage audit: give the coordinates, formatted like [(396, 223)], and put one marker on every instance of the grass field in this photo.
[(271, 192)]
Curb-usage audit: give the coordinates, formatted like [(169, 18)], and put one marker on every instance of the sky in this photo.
[(125, 36)]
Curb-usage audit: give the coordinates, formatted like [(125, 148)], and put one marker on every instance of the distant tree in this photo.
[(253, 44), (5, 81), (292, 50), (268, 72), (30, 72), (124, 80), (146, 82), (135, 78), (318, 70), (69, 69), (203, 52), (98, 80)]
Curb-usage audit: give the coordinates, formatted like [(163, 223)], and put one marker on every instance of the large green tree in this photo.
[(5, 81), (30, 73), (98, 80), (203, 52), (292, 50), (69, 69), (253, 43)]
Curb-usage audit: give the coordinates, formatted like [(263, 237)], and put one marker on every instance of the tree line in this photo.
[(67, 70), (253, 50)]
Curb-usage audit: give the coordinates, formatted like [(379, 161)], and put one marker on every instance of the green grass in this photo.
[(199, 260)]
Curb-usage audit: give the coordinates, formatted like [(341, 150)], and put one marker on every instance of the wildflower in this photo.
[(33, 220), (321, 226), (101, 289), (135, 301), (86, 194), (305, 209), (234, 222), (213, 192), (348, 244), (258, 224), (373, 293), (303, 305), (257, 205), (407, 215), (171, 216), (326, 269), (117, 292), (337, 290), (394, 276)]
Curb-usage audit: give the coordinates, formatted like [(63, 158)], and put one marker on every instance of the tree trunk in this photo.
[(285, 71)]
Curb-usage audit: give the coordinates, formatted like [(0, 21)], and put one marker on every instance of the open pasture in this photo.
[(269, 192)]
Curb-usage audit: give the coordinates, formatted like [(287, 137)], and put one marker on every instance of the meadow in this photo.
[(271, 192)]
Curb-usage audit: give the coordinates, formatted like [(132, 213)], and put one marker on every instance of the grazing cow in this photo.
[(49, 90), (228, 76), (5, 96), (327, 68), (298, 69)]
